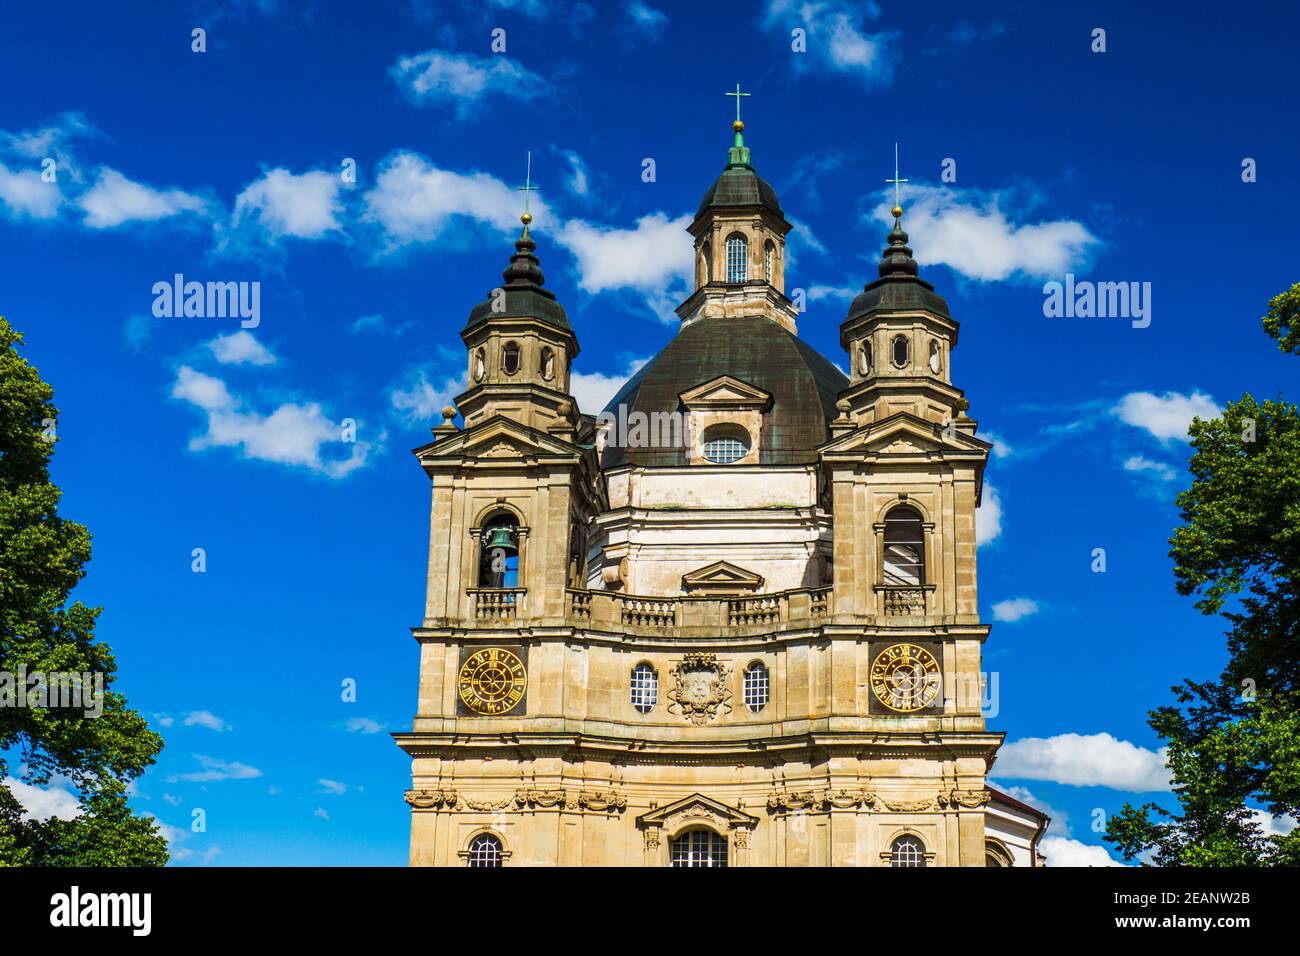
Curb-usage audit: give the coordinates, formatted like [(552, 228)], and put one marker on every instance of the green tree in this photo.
[(1234, 742), (42, 556)]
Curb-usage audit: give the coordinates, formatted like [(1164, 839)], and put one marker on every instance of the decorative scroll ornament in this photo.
[(821, 800), (429, 799), (970, 799), (701, 687)]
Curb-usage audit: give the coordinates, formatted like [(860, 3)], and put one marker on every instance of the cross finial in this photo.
[(738, 125), (898, 208), (526, 188)]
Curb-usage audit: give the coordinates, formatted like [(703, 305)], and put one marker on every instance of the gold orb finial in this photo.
[(526, 218), (898, 212), (738, 126)]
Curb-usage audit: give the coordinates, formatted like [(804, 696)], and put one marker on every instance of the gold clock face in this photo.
[(905, 678), (492, 681)]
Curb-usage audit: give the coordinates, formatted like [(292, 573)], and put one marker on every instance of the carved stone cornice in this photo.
[(821, 799)]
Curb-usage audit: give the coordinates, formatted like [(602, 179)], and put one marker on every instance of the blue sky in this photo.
[(226, 165)]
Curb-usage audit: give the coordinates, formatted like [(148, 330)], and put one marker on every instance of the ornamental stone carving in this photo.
[(970, 799), (701, 687), (429, 799)]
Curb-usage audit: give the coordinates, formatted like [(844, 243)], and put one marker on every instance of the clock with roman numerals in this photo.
[(905, 678), (492, 681)]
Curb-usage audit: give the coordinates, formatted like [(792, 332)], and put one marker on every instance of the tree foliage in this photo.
[(42, 557), (1234, 742)]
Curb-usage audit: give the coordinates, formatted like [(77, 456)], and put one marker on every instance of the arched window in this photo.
[(484, 851), (510, 358), (995, 854), (907, 851), (769, 263), (902, 351), (904, 548), (864, 358), (737, 258), (758, 687), (499, 553), (546, 364), (480, 366), (698, 848), (724, 444), (645, 688)]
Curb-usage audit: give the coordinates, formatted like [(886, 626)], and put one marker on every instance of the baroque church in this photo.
[(751, 640)]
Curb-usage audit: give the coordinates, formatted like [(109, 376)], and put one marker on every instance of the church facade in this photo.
[(732, 620)]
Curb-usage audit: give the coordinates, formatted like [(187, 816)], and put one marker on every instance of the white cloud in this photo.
[(988, 516), (291, 435), (1166, 416), (414, 201), (164, 720), (654, 254), (419, 399), (204, 718), (1000, 448), (1014, 609), (24, 193), (1061, 851), (1139, 464), (42, 803), (461, 80), (650, 22), (305, 206), (837, 37), (593, 390), (579, 178), (332, 787), (1094, 760), (172, 800), (1271, 825), (364, 725), (114, 199), (321, 813), (1060, 821), (841, 293), (968, 231), (215, 770), (240, 348)]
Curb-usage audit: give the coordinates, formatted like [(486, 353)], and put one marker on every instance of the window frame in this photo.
[(755, 679), (644, 700), (737, 254), (715, 852)]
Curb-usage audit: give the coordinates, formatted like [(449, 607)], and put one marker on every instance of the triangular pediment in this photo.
[(725, 391), (496, 438), (721, 577), (905, 434), (697, 808)]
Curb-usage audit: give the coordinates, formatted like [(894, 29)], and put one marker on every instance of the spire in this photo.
[(738, 155), (897, 260), (524, 272)]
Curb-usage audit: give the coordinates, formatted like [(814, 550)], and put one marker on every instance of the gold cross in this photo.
[(896, 180), (737, 95)]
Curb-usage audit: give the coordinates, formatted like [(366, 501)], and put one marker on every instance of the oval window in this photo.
[(725, 445), (864, 358), (510, 358), (901, 351), (934, 357)]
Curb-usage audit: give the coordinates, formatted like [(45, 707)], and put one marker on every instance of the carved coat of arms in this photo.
[(701, 686)]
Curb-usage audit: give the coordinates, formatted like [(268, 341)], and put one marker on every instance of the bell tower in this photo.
[(739, 232)]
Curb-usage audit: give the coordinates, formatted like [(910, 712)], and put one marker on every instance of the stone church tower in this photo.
[(733, 620)]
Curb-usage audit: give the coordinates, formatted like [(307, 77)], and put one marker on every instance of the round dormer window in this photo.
[(725, 444)]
